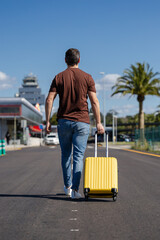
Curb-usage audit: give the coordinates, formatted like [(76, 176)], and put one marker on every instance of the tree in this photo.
[(157, 114), (150, 118), (92, 117), (139, 80), (53, 119), (158, 110)]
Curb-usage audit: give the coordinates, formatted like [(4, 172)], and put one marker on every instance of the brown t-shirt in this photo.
[(73, 85)]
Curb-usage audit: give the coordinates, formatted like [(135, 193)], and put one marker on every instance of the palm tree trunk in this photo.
[(141, 121), (141, 116)]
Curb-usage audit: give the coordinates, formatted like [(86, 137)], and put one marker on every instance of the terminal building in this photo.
[(16, 115), (20, 117), (31, 91)]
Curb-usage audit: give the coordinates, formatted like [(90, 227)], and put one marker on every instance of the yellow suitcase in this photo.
[(101, 175)]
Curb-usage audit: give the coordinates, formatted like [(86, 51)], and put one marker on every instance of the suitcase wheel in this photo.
[(86, 197), (114, 191), (114, 197), (86, 191)]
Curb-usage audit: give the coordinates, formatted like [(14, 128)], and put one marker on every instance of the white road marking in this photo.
[(74, 230), (75, 210), (73, 219)]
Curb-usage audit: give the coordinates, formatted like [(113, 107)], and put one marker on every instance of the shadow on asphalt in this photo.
[(58, 196)]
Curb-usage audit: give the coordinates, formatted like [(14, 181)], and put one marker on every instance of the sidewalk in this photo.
[(120, 146), (116, 145), (111, 145), (33, 142), (36, 142)]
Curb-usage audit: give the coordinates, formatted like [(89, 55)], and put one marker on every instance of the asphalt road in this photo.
[(34, 207)]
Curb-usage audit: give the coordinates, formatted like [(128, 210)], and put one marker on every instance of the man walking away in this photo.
[(73, 87)]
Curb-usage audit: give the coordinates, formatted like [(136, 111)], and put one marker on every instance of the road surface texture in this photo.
[(34, 207)]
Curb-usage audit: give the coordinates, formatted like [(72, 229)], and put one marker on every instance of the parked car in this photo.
[(51, 138), (123, 138)]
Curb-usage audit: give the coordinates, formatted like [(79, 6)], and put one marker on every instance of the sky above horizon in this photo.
[(111, 35)]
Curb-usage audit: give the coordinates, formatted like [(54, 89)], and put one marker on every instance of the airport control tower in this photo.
[(31, 91)]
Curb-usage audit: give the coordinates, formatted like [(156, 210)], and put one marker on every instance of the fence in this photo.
[(151, 139)]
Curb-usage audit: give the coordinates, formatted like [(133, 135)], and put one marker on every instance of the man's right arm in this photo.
[(48, 108), (96, 110)]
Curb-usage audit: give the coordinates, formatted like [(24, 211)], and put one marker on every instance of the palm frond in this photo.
[(139, 79), (154, 82)]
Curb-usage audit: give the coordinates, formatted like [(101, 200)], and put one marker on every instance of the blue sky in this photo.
[(111, 35)]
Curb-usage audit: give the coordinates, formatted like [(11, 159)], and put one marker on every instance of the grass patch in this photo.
[(147, 146)]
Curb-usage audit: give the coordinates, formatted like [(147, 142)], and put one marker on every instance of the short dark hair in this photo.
[(72, 56)]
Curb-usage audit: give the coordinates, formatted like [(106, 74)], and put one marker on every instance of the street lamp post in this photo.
[(114, 126), (104, 108)]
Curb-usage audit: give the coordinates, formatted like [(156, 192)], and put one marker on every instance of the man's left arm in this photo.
[(48, 108)]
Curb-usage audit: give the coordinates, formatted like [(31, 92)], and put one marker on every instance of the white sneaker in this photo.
[(68, 191), (75, 195)]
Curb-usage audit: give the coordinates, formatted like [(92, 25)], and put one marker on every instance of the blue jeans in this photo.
[(76, 134)]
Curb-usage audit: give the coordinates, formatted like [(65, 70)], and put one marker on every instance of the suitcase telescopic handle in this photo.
[(106, 144)]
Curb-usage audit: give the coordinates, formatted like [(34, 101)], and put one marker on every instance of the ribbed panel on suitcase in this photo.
[(101, 175)]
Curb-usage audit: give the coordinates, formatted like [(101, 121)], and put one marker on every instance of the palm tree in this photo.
[(157, 114), (139, 80)]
